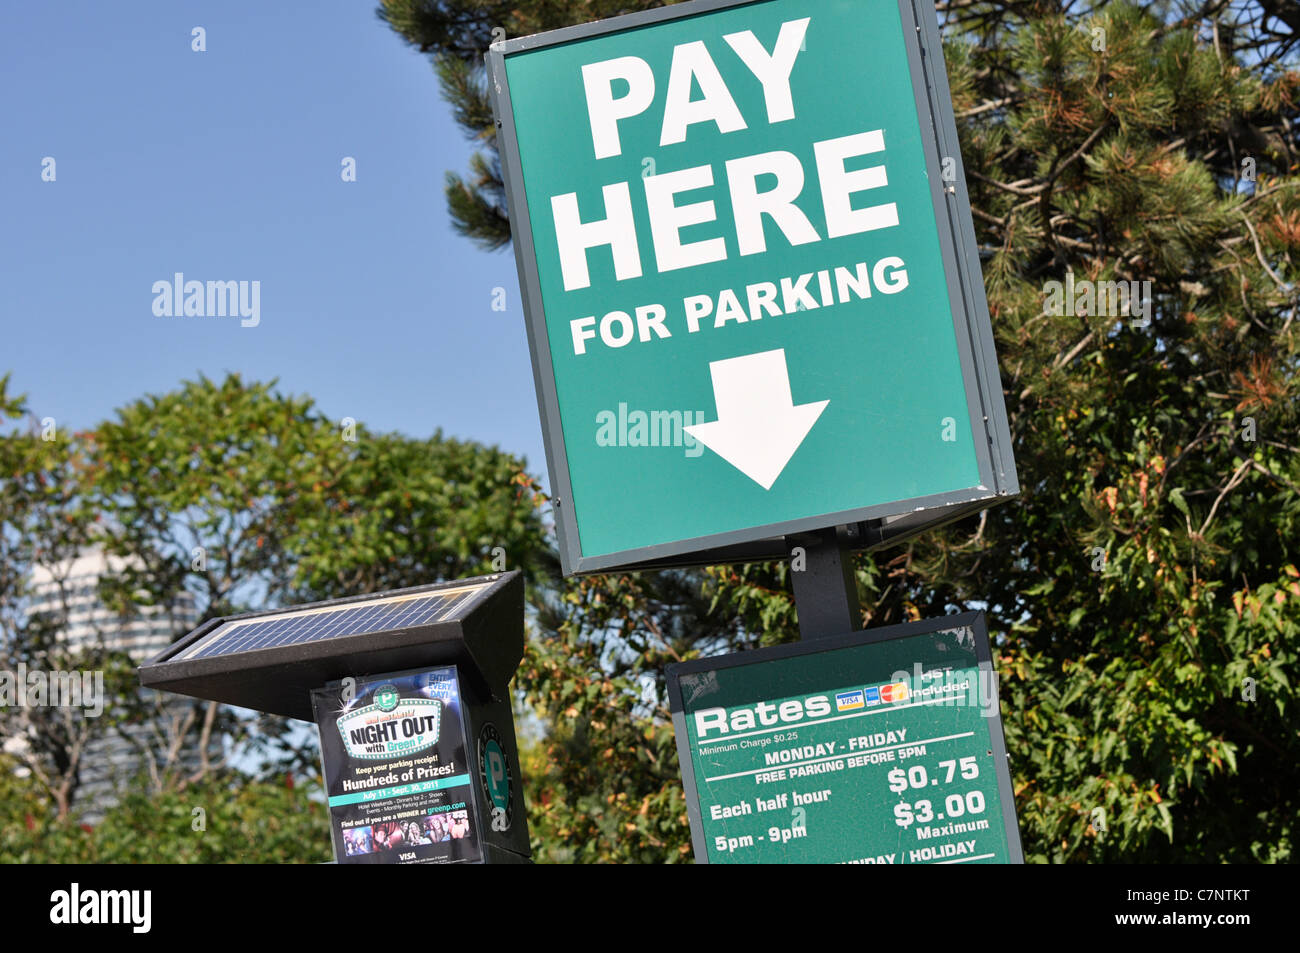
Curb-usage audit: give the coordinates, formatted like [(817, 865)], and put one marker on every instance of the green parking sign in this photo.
[(752, 288), (875, 747)]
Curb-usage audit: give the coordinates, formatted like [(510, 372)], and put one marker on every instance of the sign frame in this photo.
[(867, 527), (974, 619)]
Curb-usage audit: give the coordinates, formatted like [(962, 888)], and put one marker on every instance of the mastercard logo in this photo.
[(896, 692)]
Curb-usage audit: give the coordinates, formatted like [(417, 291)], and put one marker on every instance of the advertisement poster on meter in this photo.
[(396, 769)]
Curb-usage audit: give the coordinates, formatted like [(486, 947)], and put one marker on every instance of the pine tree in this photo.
[(1143, 591), (457, 34)]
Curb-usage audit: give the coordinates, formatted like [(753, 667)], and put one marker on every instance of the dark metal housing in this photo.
[(484, 636)]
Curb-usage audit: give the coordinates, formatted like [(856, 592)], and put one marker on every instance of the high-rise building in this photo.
[(68, 594), (73, 587)]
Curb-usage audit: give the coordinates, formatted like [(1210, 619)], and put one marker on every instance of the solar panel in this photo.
[(329, 622)]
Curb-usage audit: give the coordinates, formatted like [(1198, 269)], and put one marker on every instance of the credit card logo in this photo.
[(849, 701), (896, 692), (873, 696)]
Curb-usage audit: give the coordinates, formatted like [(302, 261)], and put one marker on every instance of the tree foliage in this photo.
[(227, 496), (232, 819), (45, 520)]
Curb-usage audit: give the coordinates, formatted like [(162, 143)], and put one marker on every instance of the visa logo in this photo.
[(849, 701)]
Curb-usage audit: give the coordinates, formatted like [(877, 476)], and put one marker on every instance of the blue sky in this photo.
[(225, 165)]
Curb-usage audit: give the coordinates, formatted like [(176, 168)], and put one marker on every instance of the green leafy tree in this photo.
[(237, 497), (202, 491), (232, 819), (44, 522), (406, 511), (601, 783), (1142, 591), (249, 498)]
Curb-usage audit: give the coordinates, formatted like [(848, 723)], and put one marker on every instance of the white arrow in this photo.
[(758, 427)]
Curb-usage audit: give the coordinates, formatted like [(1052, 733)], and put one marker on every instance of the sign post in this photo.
[(752, 288), (825, 591)]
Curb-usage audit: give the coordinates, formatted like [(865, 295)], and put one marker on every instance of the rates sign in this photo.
[(875, 747)]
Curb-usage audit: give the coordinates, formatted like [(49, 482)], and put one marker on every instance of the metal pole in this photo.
[(825, 591)]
